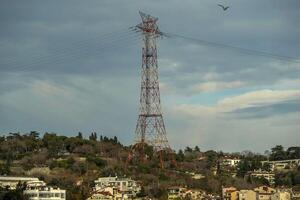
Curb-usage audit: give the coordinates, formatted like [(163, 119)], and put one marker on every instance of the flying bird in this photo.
[(224, 8)]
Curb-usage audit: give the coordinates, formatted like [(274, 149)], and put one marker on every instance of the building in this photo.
[(247, 195), (115, 188), (193, 194), (229, 193), (102, 195), (12, 182), (264, 192), (230, 162), (195, 175), (280, 165), (176, 192), (295, 195), (281, 195), (269, 176), (37, 190)]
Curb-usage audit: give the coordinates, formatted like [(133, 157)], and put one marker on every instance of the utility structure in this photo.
[(150, 128)]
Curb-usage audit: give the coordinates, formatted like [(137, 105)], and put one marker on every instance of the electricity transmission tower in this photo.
[(150, 128)]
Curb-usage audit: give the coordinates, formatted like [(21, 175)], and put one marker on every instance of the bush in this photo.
[(97, 161)]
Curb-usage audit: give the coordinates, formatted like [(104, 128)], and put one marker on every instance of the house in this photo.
[(193, 194), (281, 195), (247, 195), (229, 193), (37, 190), (264, 192), (295, 195), (176, 192), (12, 182), (269, 176), (115, 188), (280, 165), (229, 162)]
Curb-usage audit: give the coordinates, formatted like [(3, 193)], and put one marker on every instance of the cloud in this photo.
[(263, 111), (258, 118), (67, 67), (215, 86), (244, 102)]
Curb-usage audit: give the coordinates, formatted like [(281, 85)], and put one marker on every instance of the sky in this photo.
[(70, 66)]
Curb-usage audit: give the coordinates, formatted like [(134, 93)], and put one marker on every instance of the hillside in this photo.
[(73, 163)]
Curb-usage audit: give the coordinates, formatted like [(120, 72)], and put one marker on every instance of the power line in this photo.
[(111, 44), (73, 46), (70, 50), (235, 48)]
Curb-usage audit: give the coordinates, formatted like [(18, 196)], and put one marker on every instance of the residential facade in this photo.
[(35, 189), (115, 188), (38, 190), (269, 176), (229, 193), (264, 192), (247, 195), (11, 182), (280, 165), (175, 193), (281, 195), (232, 162)]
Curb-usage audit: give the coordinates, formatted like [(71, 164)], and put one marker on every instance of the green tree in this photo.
[(188, 149), (278, 153), (93, 136), (211, 158), (243, 167), (197, 149), (180, 156), (293, 153), (79, 135)]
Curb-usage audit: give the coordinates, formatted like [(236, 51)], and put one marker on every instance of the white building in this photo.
[(37, 190), (281, 195), (232, 162), (247, 195), (264, 192), (12, 182), (269, 176), (116, 186), (279, 165)]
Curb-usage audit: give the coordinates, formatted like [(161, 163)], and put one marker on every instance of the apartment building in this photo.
[(35, 189), (280, 165), (38, 190), (269, 176), (116, 188), (12, 182)]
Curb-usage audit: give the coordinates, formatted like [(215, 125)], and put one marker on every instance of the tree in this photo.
[(188, 149), (16, 194), (278, 153), (243, 167), (180, 156), (115, 140), (266, 166), (93, 136), (211, 158), (79, 135), (197, 149), (293, 153)]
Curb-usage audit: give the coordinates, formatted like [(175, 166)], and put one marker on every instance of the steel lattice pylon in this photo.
[(150, 128)]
